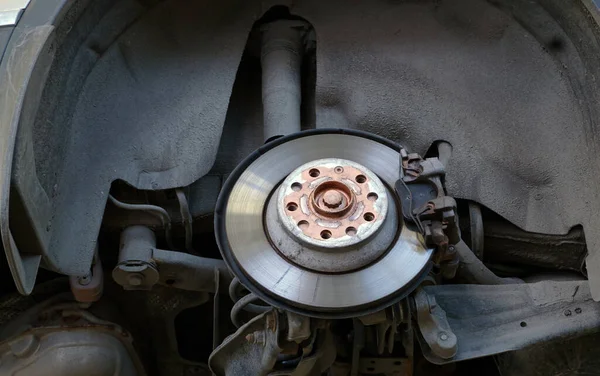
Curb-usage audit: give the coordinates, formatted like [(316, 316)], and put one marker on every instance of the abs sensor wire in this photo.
[(157, 211), (186, 218), (244, 303)]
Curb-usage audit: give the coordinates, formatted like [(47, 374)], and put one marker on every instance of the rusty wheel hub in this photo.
[(332, 203)]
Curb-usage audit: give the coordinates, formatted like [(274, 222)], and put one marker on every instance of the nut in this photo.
[(332, 198)]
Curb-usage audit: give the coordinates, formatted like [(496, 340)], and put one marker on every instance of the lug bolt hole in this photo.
[(372, 196), (325, 234), (369, 217), (314, 172), (361, 179), (296, 186), (350, 231), (303, 225), (292, 206)]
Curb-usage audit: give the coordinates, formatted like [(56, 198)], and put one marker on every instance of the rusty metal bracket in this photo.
[(251, 350), (492, 319), (298, 327), (434, 326), (254, 349)]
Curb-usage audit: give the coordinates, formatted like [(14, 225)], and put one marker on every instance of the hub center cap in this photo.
[(332, 199)]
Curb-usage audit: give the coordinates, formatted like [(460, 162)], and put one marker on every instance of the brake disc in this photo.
[(310, 224)]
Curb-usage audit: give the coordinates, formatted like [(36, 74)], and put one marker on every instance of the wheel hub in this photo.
[(333, 202)]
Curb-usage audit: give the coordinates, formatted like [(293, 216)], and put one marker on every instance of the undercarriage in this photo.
[(308, 188)]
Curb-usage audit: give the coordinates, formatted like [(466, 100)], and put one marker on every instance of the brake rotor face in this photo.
[(246, 247)]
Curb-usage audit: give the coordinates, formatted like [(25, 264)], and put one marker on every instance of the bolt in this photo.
[(568, 313), (135, 279), (578, 310), (85, 280), (443, 336), (332, 198)]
